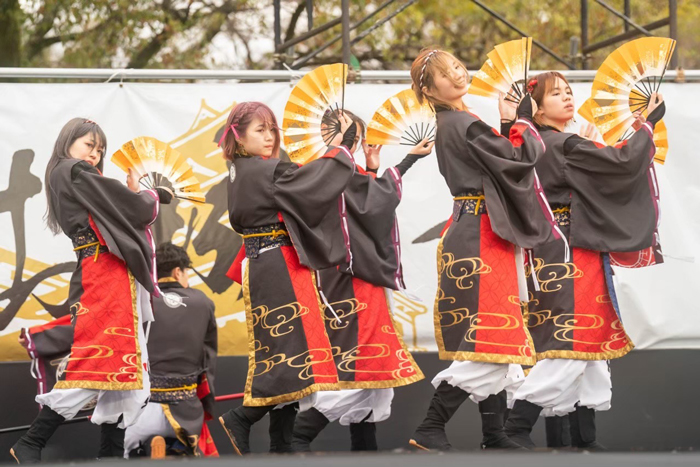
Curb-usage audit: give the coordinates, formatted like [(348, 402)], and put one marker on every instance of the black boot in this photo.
[(363, 435), (492, 411), (583, 434), (282, 428), (28, 449), (520, 422), (306, 428), (558, 435), (111, 441), (237, 424), (431, 433)]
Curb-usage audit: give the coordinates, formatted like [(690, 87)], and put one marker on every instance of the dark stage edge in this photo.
[(415, 459), (654, 409)]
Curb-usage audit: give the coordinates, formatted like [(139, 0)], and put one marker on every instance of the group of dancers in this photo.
[(524, 278)]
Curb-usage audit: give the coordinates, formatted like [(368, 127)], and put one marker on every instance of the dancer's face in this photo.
[(87, 148), (449, 85), (557, 104), (259, 138)]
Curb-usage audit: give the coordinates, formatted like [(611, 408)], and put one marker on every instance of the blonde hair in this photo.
[(430, 62)]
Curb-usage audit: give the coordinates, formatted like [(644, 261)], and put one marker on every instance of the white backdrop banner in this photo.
[(658, 303)]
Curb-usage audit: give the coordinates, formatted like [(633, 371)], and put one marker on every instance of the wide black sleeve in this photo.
[(309, 198), (614, 201), (122, 217)]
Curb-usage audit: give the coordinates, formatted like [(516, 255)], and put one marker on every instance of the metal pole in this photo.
[(277, 5), (632, 33), (310, 14), (628, 13), (278, 22), (584, 33), (306, 35), (623, 17), (673, 26), (304, 60), (539, 44), (345, 6)]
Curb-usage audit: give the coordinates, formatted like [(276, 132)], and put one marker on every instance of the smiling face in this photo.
[(449, 85), (87, 148), (555, 101), (439, 77)]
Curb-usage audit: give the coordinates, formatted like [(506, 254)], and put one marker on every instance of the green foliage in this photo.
[(179, 33)]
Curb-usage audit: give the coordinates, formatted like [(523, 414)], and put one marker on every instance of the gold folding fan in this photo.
[(660, 134), (625, 81), (505, 71), (155, 162), (402, 120), (315, 100)]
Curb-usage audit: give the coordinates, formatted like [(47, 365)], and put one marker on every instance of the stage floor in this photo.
[(461, 459)]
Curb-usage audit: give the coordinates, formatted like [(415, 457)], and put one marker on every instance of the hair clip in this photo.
[(235, 133), (531, 85)]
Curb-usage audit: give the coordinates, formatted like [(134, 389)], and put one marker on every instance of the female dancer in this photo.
[(370, 355), (108, 224), (290, 218), (605, 200), (478, 315)]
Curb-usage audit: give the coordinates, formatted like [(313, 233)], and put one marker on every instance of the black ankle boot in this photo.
[(111, 441), (363, 436), (28, 449), (583, 432), (492, 411), (306, 428), (282, 428), (520, 422), (558, 432), (431, 433), (237, 424)]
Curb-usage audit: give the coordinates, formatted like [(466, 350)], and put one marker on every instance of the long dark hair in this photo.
[(71, 131)]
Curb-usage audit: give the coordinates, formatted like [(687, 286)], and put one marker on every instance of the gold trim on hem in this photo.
[(250, 401), (100, 385), (180, 432), (486, 357), (390, 383), (577, 355)]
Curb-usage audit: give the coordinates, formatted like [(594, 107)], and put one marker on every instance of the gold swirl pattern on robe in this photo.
[(342, 312), (569, 323), (457, 315), (547, 275), (466, 268), (119, 331), (262, 313), (304, 360), (510, 322)]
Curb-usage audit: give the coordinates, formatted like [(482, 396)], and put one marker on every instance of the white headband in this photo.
[(425, 64)]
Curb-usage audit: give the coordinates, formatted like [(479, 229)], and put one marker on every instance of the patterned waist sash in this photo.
[(173, 388), (471, 202), (265, 238), (85, 243), (562, 214)]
